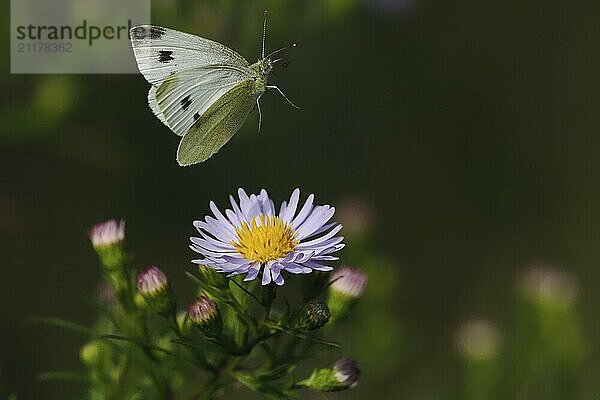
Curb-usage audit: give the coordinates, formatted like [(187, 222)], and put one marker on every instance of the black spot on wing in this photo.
[(185, 102), (196, 116), (164, 56), (147, 31)]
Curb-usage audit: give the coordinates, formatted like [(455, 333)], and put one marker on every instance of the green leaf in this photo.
[(270, 389), (72, 376), (147, 346), (212, 291), (72, 326), (245, 290), (247, 380), (206, 346), (278, 372), (300, 334)]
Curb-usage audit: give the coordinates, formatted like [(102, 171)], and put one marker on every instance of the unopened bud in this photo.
[(183, 323), (548, 285), (153, 286), (349, 282), (342, 375), (107, 233), (151, 282), (107, 239), (356, 216), (204, 314), (313, 316), (106, 294), (211, 276), (478, 340), (90, 353), (347, 286)]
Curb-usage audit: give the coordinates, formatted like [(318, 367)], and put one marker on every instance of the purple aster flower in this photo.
[(252, 236)]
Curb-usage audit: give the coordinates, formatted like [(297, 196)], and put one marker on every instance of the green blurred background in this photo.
[(464, 132)]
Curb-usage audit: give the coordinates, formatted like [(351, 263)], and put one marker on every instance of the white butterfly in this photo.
[(201, 89)]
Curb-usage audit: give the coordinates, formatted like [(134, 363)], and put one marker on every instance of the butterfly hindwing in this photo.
[(153, 103), (217, 125), (160, 51), (185, 96)]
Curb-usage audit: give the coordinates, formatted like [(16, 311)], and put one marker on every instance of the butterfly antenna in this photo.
[(291, 46), (264, 38), (286, 62)]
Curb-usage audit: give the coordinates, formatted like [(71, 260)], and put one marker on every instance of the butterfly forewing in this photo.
[(217, 125), (159, 52), (185, 96)]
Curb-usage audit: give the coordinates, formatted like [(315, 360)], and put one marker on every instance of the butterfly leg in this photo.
[(259, 113), (283, 94)]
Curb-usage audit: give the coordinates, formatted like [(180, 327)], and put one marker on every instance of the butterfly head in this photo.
[(266, 65)]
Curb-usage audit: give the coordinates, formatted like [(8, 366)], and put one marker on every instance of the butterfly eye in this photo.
[(285, 64)]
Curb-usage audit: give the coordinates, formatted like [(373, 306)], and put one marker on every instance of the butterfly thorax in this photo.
[(261, 69)]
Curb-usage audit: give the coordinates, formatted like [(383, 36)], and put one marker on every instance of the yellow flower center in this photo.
[(266, 238)]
